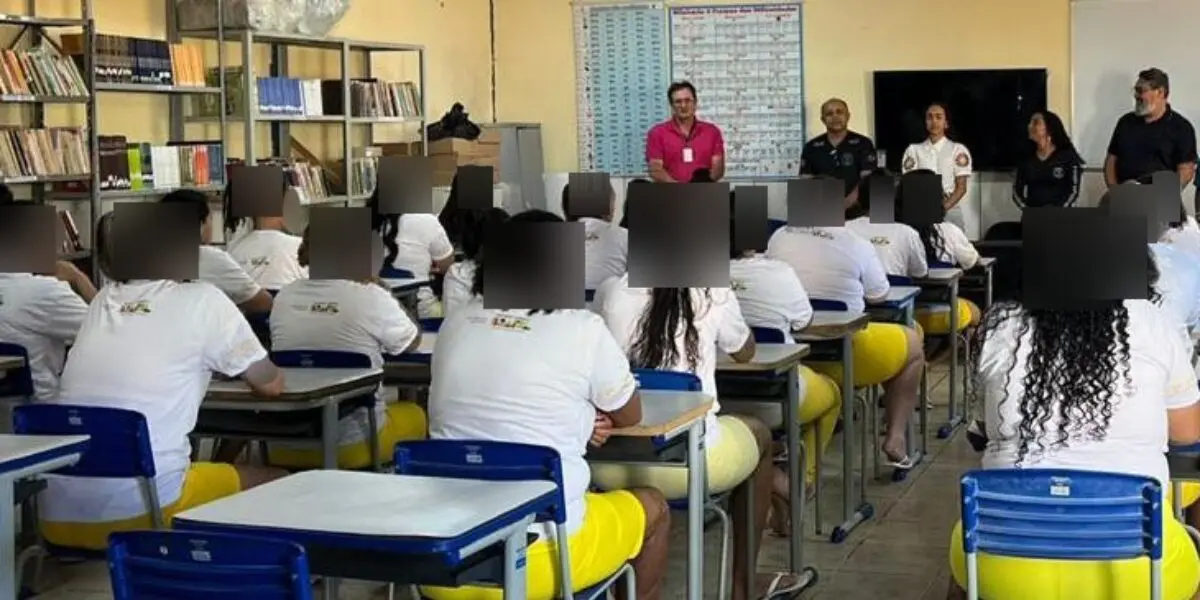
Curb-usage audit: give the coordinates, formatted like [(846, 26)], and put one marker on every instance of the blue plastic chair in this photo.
[(589, 295), (119, 448), (16, 382), (432, 324), (390, 272), (829, 305), (260, 324), (937, 264), (774, 225), (506, 461), (768, 335), (900, 280), (185, 565), (337, 359), (1059, 514)]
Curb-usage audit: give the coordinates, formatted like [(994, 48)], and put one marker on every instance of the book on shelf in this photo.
[(289, 96), (364, 170), (31, 153), (121, 59), (126, 165), (306, 178), (39, 73), (208, 106), (69, 234), (372, 98)]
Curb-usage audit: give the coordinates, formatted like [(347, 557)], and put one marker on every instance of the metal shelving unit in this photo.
[(280, 134)]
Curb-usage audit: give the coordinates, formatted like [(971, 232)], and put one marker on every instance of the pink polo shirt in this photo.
[(667, 143)]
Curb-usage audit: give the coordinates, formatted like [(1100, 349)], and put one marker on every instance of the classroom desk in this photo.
[(305, 389), (783, 359), (988, 264), (403, 529), (948, 278), (405, 289), (827, 327), (20, 457), (11, 362)]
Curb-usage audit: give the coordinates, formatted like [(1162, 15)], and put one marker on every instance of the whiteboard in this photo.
[(747, 64), (1111, 40)]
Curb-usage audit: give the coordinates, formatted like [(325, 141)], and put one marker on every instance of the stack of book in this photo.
[(120, 59), (39, 73), (128, 165), (71, 243), (306, 178), (364, 171), (373, 98), (33, 153), (290, 97)]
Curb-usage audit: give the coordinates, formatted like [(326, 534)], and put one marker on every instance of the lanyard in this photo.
[(687, 139)]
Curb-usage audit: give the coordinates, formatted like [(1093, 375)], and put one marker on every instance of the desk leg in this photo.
[(329, 435), (796, 470), (8, 553), (953, 420), (697, 496), (851, 517), (514, 565)]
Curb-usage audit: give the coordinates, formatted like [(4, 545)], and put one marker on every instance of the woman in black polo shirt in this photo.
[(1049, 175)]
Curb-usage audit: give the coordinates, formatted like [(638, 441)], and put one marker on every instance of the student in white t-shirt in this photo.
[(267, 252), (770, 296), (835, 264), (553, 378), (417, 243), (347, 316), (456, 287), (898, 246), (606, 247), (216, 265), (152, 346)]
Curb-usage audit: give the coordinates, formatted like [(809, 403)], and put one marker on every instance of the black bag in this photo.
[(454, 124)]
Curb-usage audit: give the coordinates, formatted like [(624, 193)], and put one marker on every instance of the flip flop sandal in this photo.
[(785, 585), (905, 463)]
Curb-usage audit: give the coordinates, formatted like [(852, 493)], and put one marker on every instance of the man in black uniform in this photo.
[(839, 152), (1152, 137)]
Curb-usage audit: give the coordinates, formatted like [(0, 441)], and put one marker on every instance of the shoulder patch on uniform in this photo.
[(962, 159), (1058, 172), (910, 163)]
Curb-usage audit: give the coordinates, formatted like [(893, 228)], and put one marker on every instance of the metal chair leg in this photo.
[(816, 480), (724, 579)]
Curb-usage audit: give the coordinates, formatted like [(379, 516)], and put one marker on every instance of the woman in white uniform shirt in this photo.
[(152, 346), (558, 379), (267, 252), (606, 245), (456, 288), (943, 156), (417, 243)]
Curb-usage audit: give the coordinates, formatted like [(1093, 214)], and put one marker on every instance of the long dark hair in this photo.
[(931, 236), (103, 245), (476, 230), (453, 218), (1059, 137), (625, 214), (387, 226), (529, 216), (654, 343), (1077, 358)]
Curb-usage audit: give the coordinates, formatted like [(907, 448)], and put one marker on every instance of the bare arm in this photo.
[(960, 190), (718, 168), (260, 303), (1186, 172), (746, 353), (1110, 170), (659, 173), (1183, 425), (630, 414), (264, 378)]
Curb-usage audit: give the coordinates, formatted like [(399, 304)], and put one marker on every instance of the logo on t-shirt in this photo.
[(737, 285), (260, 261), (592, 237), (326, 308), (510, 323), (139, 307), (880, 240), (821, 234)]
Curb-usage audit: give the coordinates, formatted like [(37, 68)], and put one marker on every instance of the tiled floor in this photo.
[(900, 554)]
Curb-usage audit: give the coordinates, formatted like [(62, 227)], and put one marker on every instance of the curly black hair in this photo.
[(654, 344)]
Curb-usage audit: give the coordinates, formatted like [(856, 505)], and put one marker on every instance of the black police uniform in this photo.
[(1050, 182), (1144, 148), (846, 161)]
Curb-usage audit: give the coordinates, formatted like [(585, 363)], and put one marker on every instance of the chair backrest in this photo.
[(900, 280), (485, 461), (328, 359), (768, 335), (120, 439), (937, 264), (431, 324), (774, 225), (390, 272), (829, 305), (676, 381), (589, 295), (19, 381), (1061, 514), (260, 324), (202, 566)]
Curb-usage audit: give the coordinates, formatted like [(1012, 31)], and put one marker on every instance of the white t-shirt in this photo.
[(1161, 377), (269, 257), (946, 158), (605, 251), (42, 314), (719, 324), (421, 240), (151, 347), (956, 248), (456, 286), (539, 378), (898, 246), (770, 295), (832, 264), (220, 269), (349, 316), (1185, 238)]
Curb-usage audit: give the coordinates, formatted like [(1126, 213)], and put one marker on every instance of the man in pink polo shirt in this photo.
[(683, 144)]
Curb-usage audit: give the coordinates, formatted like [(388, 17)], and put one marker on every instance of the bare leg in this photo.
[(228, 451), (902, 393), (650, 565), (953, 592), (761, 479), (252, 476)]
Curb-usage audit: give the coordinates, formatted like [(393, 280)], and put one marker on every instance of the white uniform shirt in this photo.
[(42, 314), (1185, 238), (956, 248), (336, 314), (605, 251), (269, 257), (528, 378), (719, 324), (832, 264), (151, 347), (898, 246), (945, 157), (421, 240), (220, 269), (456, 287), (1136, 439), (770, 295)]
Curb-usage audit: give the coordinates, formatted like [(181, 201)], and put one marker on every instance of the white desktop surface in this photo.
[(404, 284), (900, 293), (767, 357), (18, 447), (300, 380), (946, 274)]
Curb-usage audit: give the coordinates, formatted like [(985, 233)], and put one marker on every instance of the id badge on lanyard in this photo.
[(688, 155)]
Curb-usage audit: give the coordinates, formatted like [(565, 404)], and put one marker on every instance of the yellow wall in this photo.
[(844, 41)]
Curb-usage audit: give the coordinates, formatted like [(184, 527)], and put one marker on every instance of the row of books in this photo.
[(370, 98), (120, 59), (287, 96), (364, 171), (39, 73), (126, 165), (306, 178), (43, 152)]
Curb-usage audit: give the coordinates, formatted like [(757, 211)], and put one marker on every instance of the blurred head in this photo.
[(566, 205), (835, 114), (1150, 92), (682, 96), (937, 120), (199, 202)]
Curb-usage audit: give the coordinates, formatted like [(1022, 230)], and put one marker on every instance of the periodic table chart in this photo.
[(746, 62), (621, 80)]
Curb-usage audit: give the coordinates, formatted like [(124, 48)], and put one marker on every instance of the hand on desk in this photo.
[(601, 430)]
